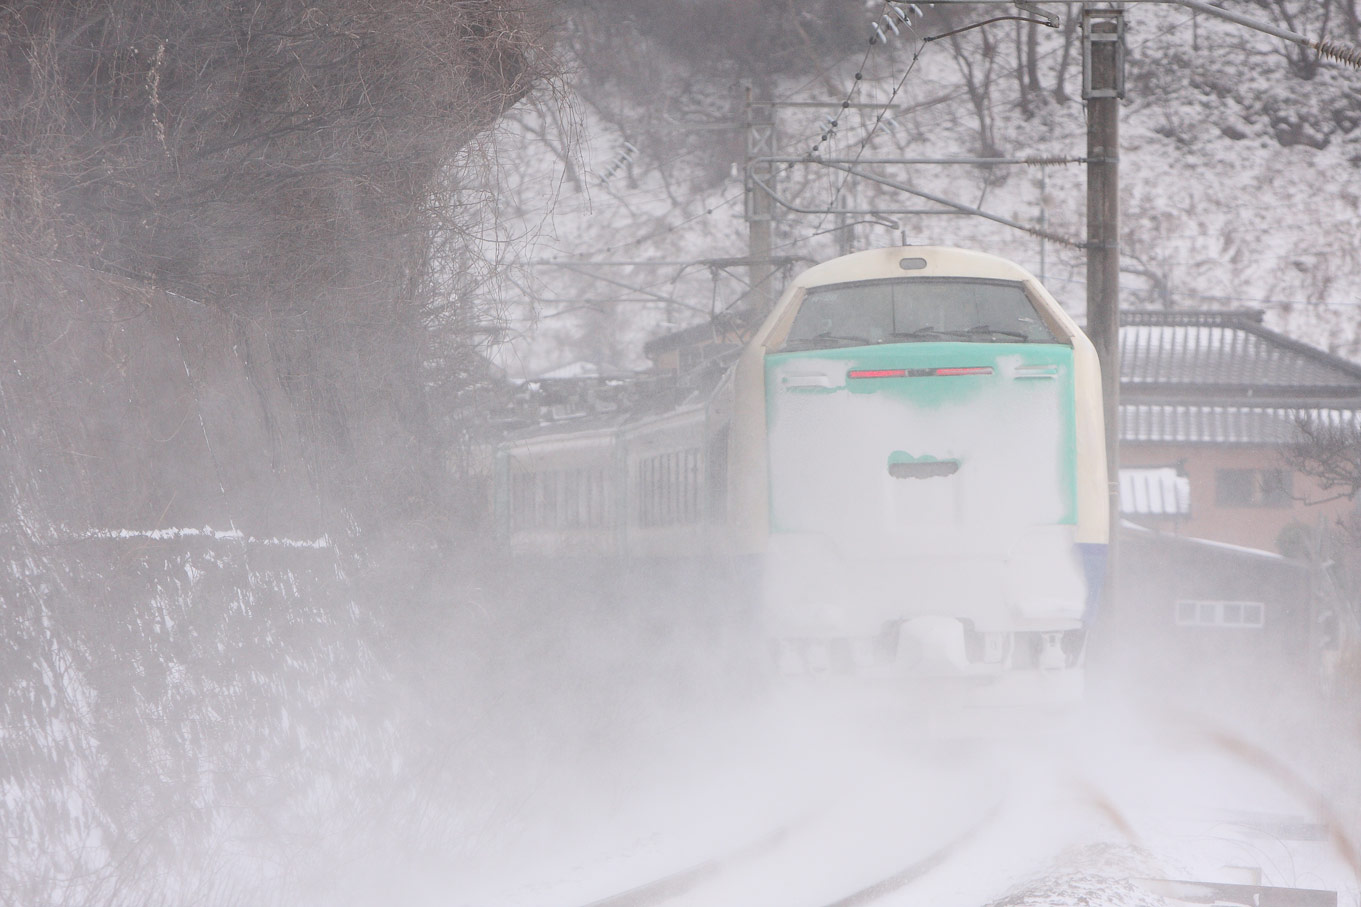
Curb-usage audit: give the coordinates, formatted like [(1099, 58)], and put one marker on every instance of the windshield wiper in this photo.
[(986, 329), (923, 333), (828, 339)]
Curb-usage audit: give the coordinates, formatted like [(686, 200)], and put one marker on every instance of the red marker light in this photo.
[(918, 372)]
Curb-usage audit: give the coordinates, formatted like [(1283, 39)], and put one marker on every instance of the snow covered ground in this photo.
[(803, 806)]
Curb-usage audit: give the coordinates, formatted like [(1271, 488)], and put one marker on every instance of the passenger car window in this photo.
[(916, 309)]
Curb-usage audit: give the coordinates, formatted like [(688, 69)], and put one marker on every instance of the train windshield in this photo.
[(916, 309)]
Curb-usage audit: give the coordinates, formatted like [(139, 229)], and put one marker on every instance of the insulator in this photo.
[(898, 11), (878, 33), (1054, 237), (1342, 53), (888, 20)]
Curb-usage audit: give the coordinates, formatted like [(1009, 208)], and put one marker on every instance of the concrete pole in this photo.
[(1103, 86)]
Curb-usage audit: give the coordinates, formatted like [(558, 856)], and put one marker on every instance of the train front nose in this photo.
[(931, 607)]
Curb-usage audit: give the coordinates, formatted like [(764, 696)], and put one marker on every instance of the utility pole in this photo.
[(1103, 85), (845, 229), (760, 147)]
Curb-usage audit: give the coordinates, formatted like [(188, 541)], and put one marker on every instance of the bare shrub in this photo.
[(300, 164)]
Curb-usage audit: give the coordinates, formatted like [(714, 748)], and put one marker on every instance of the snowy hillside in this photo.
[(1239, 177)]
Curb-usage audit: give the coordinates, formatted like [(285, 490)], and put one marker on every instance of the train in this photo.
[(905, 457)]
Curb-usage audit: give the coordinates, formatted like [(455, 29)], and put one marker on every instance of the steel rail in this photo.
[(676, 884), (915, 871), (683, 882)]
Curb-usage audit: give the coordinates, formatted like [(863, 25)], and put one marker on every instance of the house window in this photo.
[(1245, 615), (1253, 487)]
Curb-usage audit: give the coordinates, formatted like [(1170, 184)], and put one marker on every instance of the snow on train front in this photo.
[(926, 488)]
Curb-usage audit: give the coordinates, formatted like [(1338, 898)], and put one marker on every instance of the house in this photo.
[(1207, 400)]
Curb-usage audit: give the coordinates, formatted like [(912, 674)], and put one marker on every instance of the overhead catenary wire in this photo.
[(732, 198), (860, 150), (1036, 161), (825, 135), (1032, 161), (875, 39), (923, 41), (1333, 47)]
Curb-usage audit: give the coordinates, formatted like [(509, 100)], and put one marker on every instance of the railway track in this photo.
[(683, 882), (1122, 810), (705, 881)]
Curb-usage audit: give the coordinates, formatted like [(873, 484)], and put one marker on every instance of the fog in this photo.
[(617, 742), (279, 280)]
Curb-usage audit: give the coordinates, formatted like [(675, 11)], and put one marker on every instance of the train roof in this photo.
[(581, 407), (914, 262), (937, 261)]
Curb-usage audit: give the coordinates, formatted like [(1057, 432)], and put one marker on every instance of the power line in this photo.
[(871, 131), (877, 120)]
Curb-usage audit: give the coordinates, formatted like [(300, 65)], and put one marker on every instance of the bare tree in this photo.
[(300, 164), (1329, 453)]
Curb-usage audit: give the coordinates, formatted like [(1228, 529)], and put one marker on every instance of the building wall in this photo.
[(1195, 620), (1218, 511)]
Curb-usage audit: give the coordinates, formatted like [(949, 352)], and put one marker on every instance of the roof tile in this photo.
[(1177, 423)]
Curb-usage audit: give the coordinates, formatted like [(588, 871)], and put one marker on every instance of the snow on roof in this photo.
[(1156, 491), (583, 369), (206, 532), (1131, 528)]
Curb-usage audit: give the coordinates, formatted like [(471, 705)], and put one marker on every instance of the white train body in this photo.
[(915, 498)]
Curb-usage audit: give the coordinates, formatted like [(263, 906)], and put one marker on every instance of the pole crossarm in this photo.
[(643, 262), (970, 161)]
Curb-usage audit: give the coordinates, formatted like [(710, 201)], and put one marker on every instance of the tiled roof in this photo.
[(1157, 491), (1189, 377), (1210, 424), (1229, 352)]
